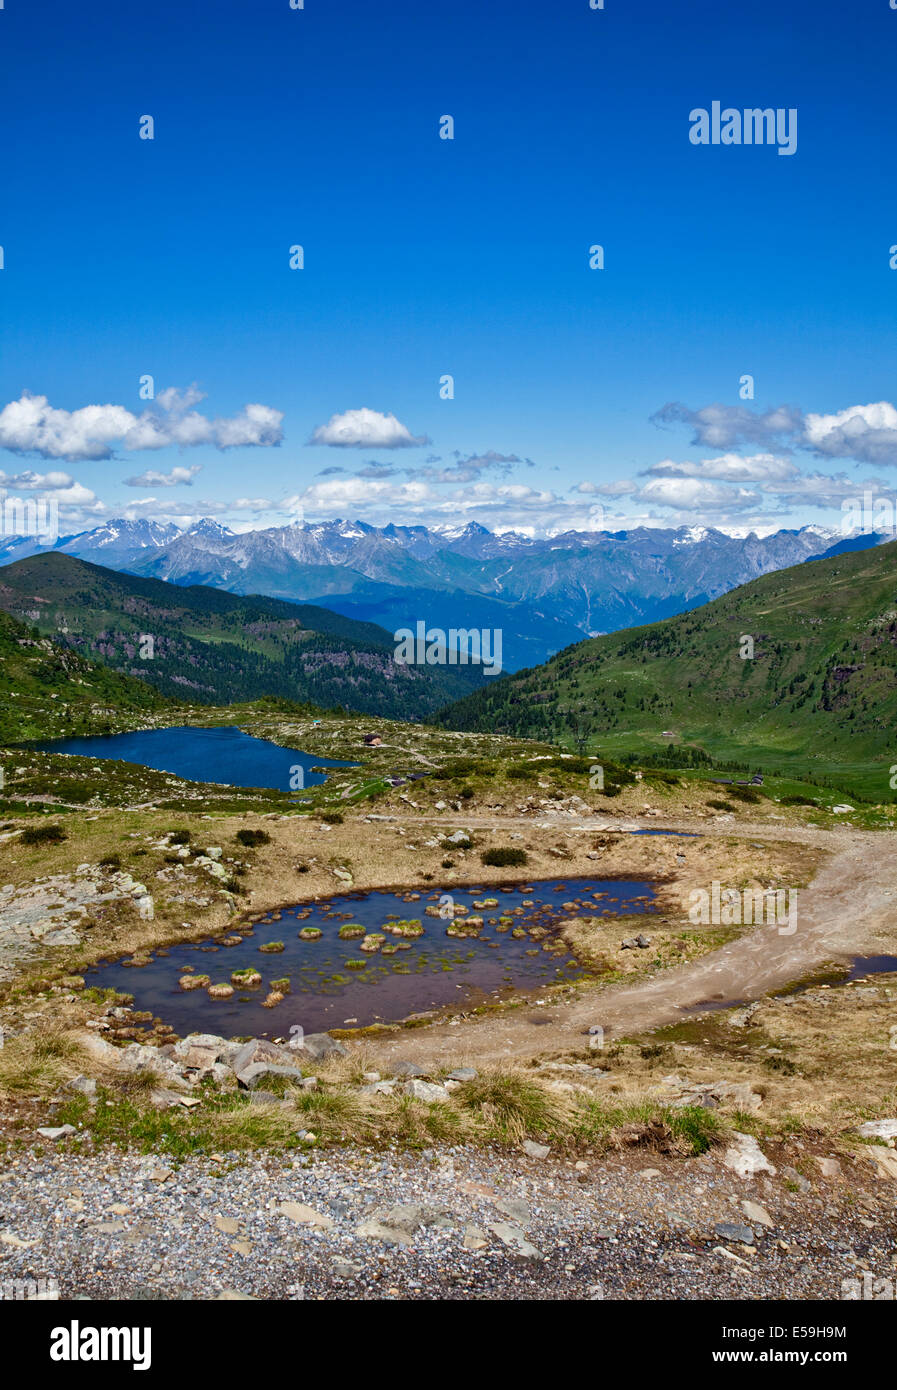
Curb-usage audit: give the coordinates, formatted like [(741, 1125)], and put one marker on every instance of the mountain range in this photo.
[(202, 645), (543, 593), (794, 671)]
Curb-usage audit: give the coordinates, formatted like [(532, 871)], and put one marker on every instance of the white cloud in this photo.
[(724, 426), (697, 495), (33, 482), (177, 476), (867, 433), (32, 425), (864, 433), (366, 429), (763, 468)]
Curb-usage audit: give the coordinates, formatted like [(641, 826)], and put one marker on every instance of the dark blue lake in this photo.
[(224, 754)]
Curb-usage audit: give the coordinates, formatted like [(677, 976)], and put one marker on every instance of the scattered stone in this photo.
[(514, 1239), (306, 1216), (320, 1045), (759, 1215), (425, 1091), (879, 1129), (535, 1150), (729, 1230), (745, 1157), (60, 1132)]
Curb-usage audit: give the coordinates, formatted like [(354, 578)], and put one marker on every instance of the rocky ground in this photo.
[(447, 1223)]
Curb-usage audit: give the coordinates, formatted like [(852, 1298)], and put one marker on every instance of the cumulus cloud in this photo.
[(726, 426), (765, 468), (864, 433), (175, 478), (33, 482), (698, 495), (31, 425), (366, 429), (867, 433)]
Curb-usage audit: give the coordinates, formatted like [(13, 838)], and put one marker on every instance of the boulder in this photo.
[(260, 1050), (250, 1077), (425, 1091), (879, 1129), (321, 1045), (745, 1157)]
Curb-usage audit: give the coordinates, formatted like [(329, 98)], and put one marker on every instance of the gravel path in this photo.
[(851, 903), (456, 1223)]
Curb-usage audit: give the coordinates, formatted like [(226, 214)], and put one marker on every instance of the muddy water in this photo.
[(332, 983)]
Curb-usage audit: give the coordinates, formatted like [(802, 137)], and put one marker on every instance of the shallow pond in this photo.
[(333, 983), (224, 754)]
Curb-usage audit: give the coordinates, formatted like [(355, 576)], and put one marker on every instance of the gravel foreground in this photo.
[(441, 1224)]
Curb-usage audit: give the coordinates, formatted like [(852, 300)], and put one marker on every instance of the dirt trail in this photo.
[(845, 911)]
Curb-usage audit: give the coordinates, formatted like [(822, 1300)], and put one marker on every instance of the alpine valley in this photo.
[(543, 593)]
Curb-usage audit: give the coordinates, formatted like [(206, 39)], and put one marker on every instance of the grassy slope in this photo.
[(818, 698), (45, 689), (217, 647)]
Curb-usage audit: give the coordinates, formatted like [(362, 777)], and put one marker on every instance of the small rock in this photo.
[(407, 1069), (60, 1132), (745, 1157), (759, 1215), (514, 1239), (474, 1238), (425, 1091), (879, 1129), (306, 1216), (730, 1230), (535, 1150)]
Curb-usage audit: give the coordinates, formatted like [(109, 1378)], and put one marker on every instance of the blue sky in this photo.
[(424, 257)]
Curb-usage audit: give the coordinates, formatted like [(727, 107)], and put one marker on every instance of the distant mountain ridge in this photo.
[(544, 593), (213, 647), (797, 667)]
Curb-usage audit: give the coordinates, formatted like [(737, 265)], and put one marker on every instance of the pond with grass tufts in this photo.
[(366, 957)]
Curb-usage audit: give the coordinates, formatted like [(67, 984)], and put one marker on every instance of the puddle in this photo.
[(679, 834), (859, 968), (332, 981)]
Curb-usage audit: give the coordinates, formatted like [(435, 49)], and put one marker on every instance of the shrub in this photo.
[(332, 817), (43, 835), (504, 858), (179, 837), (112, 861), (252, 838)]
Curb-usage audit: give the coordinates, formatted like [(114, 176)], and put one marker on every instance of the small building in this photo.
[(373, 740)]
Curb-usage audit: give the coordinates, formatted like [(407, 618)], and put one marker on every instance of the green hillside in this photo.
[(211, 647), (47, 690), (818, 698)]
